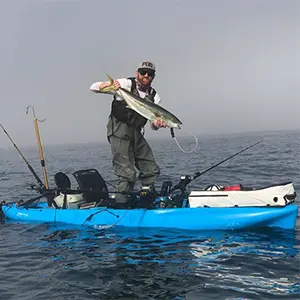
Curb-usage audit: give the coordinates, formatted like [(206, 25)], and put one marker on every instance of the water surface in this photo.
[(46, 261)]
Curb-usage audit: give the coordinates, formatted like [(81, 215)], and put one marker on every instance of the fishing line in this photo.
[(185, 151), (104, 226), (88, 218)]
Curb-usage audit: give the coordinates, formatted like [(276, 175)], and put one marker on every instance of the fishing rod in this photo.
[(185, 180), (39, 145), (42, 187)]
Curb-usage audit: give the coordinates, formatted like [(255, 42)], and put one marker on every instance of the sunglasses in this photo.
[(150, 73)]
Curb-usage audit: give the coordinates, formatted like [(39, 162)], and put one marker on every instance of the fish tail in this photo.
[(111, 80)]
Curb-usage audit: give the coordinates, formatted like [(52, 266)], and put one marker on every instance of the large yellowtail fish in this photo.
[(144, 107)]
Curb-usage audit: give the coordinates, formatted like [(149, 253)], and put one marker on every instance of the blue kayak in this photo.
[(211, 208), (201, 218)]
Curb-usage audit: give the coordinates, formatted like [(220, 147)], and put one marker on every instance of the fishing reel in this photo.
[(181, 186), (174, 196), (39, 189), (185, 180), (146, 196), (34, 187)]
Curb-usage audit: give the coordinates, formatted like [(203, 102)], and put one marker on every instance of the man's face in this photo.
[(145, 76)]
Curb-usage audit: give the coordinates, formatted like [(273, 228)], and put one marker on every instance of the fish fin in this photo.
[(111, 80)]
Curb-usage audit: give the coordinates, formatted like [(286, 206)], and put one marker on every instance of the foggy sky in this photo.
[(222, 65)]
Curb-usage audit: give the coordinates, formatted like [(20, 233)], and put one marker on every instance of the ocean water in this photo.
[(46, 261)]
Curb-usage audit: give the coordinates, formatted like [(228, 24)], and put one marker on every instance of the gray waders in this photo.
[(130, 149)]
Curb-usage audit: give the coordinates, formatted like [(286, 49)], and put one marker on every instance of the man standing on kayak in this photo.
[(124, 131)]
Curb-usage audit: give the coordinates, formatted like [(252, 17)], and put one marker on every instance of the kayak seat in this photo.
[(63, 183), (92, 184)]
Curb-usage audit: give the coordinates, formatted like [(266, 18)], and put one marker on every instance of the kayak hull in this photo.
[(202, 218)]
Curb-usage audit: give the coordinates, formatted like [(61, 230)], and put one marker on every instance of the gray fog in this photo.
[(223, 66)]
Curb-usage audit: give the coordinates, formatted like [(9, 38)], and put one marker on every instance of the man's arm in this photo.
[(97, 86)]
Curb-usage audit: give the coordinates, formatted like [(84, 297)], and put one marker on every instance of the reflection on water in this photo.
[(145, 262)]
